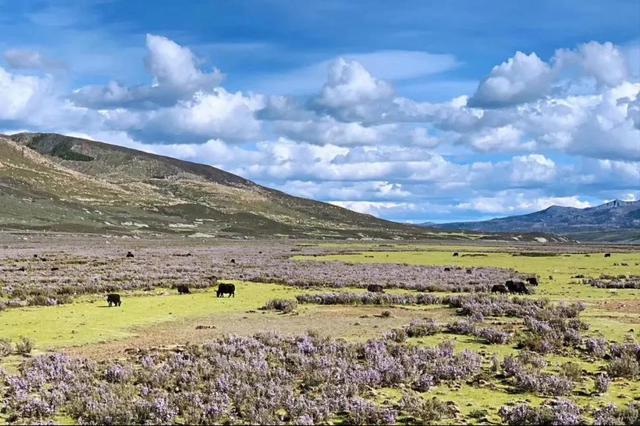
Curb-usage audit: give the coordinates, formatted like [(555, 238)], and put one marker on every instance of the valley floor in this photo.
[(52, 294)]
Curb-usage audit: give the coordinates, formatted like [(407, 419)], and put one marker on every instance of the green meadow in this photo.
[(160, 317)]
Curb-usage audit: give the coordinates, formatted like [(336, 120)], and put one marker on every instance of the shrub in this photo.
[(494, 336), (572, 371), (422, 328), (424, 410), (596, 346), (624, 366), (24, 346), (5, 348), (602, 382), (560, 412), (282, 305), (611, 415)]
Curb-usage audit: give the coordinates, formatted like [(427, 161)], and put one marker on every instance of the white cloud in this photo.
[(509, 202), (351, 91), (21, 95), (602, 61), (176, 76), (520, 79)]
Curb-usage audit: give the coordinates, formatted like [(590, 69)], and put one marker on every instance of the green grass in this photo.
[(86, 321)]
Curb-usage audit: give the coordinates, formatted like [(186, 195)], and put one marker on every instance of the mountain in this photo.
[(616, 221), (52, 182)]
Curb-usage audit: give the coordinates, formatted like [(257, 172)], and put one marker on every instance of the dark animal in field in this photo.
[(183, 289), (499, 288), (35, 256), (129, 254), (375, 288), (532, 281), (447, 269), (517, 287), (113, 299), (223, 289), (456, 254), (607, 255)]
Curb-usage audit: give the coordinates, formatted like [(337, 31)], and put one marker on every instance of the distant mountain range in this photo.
[(616, 221)]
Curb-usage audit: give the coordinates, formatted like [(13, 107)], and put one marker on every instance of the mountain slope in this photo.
[(616, 221), (60, 183)]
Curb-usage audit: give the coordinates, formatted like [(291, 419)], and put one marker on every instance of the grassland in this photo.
[(157, 317)]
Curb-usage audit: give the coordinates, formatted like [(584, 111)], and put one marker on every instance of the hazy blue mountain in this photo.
[(616, 221)]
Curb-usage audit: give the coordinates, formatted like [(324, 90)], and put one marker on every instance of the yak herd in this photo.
[(114, 299)]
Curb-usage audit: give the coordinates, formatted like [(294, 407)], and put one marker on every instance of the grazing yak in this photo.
[(499, 288), (455, 254), (447, 269), (129, 254), (183, 289), (517, 287), (532, 281), (375, 288), (113, 299), (607, 255), (223, 289)]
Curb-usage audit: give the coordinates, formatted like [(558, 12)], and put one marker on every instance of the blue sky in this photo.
[(433, 111)]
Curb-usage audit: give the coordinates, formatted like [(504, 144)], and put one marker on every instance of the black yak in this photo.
[(517, 287), (532, 281), (113, 299), (375, 288), (499, 288), (223, 289)]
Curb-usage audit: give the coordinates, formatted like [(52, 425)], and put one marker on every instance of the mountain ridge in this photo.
[(614, 221), (53, 182)]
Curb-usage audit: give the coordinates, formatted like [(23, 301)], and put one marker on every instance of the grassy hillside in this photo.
[(58, 183)]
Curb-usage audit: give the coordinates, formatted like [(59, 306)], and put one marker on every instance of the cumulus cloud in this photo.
[(176, 76), (350, 90), (20, 95), (605, 62), (520, 79)]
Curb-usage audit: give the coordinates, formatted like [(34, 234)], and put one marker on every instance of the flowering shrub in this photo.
[(596, 346), (346, 298), (527, 379), (611, 415), (561, 412), (263, 379), (424, 410), (620, 282)]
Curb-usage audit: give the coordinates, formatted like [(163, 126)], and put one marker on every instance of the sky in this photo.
[(416, 111)]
